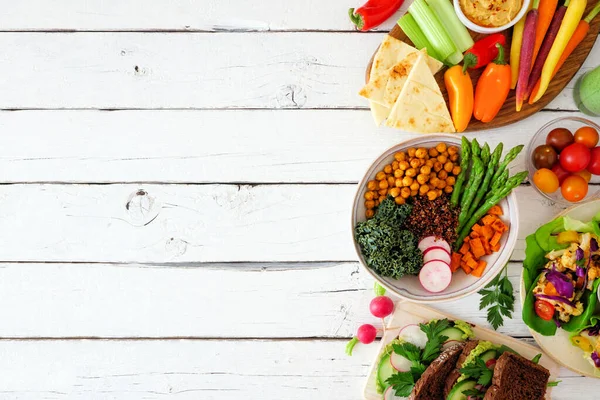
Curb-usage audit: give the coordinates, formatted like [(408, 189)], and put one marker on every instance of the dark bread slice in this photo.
[(431, 384), (517, 378), (455, 374)]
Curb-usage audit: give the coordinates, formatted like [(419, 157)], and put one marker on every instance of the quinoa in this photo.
[(433, 218)]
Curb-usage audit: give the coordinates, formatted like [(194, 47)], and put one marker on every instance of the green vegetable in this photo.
[(403, 383), (465, 162), (445, 12), (545, 238), (531, 319), (388, 249), (497, 184), (475, 147), (435, 340), (379, 290), (553, 383), (350, 346), (512, 183), (475, 178), (487, 179), (510, 156), (536, 359), (410, 27), (435, 32), (498, 295), (570, 224), (589, 300), (466, 328), (477, 370)]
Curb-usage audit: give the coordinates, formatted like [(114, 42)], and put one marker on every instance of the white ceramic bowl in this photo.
[(409, 287), (483, 29)]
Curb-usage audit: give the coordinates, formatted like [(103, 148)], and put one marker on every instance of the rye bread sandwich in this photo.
[(516, 378)]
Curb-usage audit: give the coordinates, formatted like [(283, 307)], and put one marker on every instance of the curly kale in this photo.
[(388, 249)]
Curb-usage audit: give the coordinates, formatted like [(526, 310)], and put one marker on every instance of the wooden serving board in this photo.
[(508, 114)]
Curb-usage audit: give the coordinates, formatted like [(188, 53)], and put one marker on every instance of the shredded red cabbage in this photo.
[(593, 245), (580, 272), (556, 298), (562, 283), (556, 322), (596, 359), (594, 330), (579, 254)]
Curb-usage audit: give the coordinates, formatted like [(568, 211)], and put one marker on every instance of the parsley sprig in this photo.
[(498, 296), (478, 370), (404, 382)]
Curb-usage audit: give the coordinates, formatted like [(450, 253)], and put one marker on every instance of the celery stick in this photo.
[(409, 26), (458, 33), (433, 30)]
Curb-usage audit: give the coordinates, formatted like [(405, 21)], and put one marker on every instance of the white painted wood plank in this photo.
[(184, 15), (192, 70), (199, 370), (196, 223), (268, 301), (206, 146)]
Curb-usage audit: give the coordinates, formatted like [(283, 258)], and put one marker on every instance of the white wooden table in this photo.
[(232, 274)]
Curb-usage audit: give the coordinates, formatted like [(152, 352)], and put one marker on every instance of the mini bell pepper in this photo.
[(460, 93), (483, 52), (373, 13), (492, 88)]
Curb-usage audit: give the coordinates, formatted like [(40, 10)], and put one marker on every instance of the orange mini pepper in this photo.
[(492, 88), (460, 93)]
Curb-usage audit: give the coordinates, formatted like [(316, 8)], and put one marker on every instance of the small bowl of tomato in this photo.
[(564, 160)]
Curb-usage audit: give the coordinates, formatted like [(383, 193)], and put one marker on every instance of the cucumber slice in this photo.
[(453, 334), (457, 391), (488, 355), (384, 371)]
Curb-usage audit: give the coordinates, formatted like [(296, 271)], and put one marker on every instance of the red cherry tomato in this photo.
[(490, 363), (561, 173), (594, 165), (575, 157), (574, 188), (544, 310), (585, 174)]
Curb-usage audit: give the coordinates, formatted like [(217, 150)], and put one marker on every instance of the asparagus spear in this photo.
[(497, 184), (510, 156), (475, 177), (489, 173), (464, 167), (511, 183), (475, 148)]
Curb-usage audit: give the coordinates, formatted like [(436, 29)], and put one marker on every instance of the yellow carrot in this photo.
[(515, 49), (567, 27)]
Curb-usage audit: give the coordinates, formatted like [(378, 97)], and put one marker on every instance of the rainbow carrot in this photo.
[(547, 10), (526, 53)]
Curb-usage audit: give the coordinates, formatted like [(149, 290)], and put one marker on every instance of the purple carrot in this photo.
[(527, 53), (538, 65)]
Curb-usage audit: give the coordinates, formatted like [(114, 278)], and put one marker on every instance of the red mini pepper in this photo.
[(373, 13), (483, 52)]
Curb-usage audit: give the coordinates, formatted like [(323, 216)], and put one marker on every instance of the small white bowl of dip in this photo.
[(484, 4)]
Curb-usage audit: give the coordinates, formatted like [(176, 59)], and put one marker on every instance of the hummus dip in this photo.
[(491, 13)]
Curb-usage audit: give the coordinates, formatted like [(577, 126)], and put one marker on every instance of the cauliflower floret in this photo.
[(565, 311), (554, 254), (568, 259), (584, 240)]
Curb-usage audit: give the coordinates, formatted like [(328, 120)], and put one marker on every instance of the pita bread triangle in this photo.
[(421, 106)]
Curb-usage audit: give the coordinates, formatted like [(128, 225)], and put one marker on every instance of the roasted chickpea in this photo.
[(400, 156), (415, 163), (369, 204), (423, 190), (395, 192), (403, 165), (421, 152), (405, 192), (369, 213), (407, 181), (411, 172), (369, 195), (442, 159), (448, 166), (411, 152), (448, 189), (383, 184), (439, 192), (414, 186), (456, 170), (382, 193), (452, 150), (450, 181), (422, 162), (433, 152), (387, 169), (429, 163), (441, 147), (437, 166), (425, 169), (422, 178), (453, 157), (398, 182), (400, 200), (413, 193), (398, 173), (377, 202), (395, 165), (391, 180), (441, 184), (380, 175), (442, 175), (445, 154), (432, 195), (372, 185), (433, 175)]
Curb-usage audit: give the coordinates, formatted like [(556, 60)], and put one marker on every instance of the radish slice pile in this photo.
[(413, 334), (435, 275), (391, 395), (400, 363)]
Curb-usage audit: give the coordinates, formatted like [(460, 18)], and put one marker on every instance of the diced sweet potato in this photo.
[(465, 268), (474, 235), (496, 239), (489, 219), (477, 248), (472, 263), (455, 261), (464, 248), (480, 268), (496, 247), (499, 226), (487, 232), (486, 246), (496, 210), (477, 228)]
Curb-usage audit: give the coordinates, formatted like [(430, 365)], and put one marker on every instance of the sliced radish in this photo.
[(432, 241), (435, 276), (400, 363), (413, 334), (390, 394), (449, 343), (436, 253)]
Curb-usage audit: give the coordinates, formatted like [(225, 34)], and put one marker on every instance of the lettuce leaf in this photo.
[(546, 328), (534, 260), (571, 224), (589, 300), (544, 235)]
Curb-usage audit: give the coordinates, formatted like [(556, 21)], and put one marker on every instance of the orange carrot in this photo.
[(546, 10), (580, 33)]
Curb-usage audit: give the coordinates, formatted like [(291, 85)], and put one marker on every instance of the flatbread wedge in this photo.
[(390, 52), (398, 76), (420, 106)]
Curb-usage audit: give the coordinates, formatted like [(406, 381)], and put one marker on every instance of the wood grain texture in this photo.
[(508, 115)]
